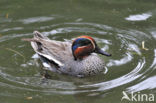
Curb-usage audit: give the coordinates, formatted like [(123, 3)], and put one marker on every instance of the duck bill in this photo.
[(100, 51)]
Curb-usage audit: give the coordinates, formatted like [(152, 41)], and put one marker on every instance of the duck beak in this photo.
[(100, 51)]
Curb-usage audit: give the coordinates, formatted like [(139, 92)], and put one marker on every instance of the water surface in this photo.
[(119, 27)]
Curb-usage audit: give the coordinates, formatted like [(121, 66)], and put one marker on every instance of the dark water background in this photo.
[(119, 26)]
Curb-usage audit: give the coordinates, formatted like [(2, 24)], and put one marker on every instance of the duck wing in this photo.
[(51, 51)]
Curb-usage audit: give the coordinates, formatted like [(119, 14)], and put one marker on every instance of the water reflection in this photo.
[(36, 19), (146, 84), (12, 29), (133, 75), (123, 40), (119, 27), (127, 58), (139, 17), (129, 63)]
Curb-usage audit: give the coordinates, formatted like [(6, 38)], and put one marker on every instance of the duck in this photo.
[(77, 58)]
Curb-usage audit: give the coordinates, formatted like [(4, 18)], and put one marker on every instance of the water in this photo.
[(119, 27)]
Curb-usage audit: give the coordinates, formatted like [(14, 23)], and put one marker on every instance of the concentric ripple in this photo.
[(130, 66)]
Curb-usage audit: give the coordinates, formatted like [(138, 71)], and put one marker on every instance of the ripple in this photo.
[(133, 75), (128, 63), (154, 61), (127, 58), (11, 29), (149, 83), (139, 17), (36, 19)]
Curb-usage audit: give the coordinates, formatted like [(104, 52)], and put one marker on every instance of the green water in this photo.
[(118, 26)]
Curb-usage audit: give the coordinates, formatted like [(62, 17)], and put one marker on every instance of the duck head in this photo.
[(83, 46)]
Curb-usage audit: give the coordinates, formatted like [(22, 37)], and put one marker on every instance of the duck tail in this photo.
[(37, 37), (37, 34)]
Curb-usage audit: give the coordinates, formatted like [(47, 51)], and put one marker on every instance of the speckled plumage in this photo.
[(59, 57), (90, 65)]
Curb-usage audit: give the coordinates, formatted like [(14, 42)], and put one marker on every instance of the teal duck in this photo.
[(78, 58)]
